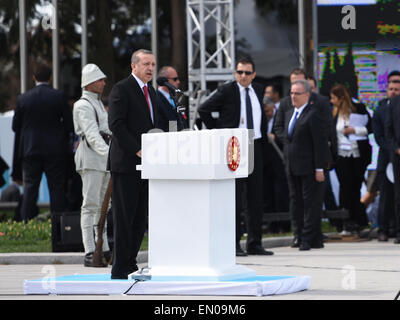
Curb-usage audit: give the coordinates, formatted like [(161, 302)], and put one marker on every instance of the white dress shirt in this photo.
[(299, 111), (347, 147), (256, 110), (142, 84)]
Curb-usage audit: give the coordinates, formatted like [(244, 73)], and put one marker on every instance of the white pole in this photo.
[(23, 45), (154, 49), (55, 47), (315, 42), (302, 53), (84, 43)]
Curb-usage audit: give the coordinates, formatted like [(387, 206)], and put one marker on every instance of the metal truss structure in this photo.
[(211, 47)]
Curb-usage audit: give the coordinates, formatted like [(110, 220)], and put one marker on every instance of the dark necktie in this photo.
[(249, 112)]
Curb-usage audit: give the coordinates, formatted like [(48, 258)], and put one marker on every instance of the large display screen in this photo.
[(360, 58)]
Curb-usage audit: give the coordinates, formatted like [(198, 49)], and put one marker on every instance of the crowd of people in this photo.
[(298, 139)]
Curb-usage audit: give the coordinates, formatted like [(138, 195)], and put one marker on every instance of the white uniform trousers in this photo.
[(94, 187)]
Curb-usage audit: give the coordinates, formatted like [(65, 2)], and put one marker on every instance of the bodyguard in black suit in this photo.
[(393, 136), (305, 159), (239, 104), (132, 112), (276, 191), (43, 124), (386, 189), (166, 103)]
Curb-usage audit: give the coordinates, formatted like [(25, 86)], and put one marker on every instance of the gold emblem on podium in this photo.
[(233, 153)]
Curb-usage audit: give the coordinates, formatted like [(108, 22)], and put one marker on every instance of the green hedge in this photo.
[(34, 236)]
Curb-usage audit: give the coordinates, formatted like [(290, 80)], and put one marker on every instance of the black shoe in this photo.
[(304, 246), (397, 240), (133, 269), (317, 244), (240, 252), (296, 242), (88, 262), (259, 251), (119, 276)]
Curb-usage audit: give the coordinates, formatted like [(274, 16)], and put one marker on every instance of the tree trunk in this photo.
[(102, 53), (179, 45)]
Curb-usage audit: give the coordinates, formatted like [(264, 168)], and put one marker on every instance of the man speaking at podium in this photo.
[(132, 112), (239, 104)]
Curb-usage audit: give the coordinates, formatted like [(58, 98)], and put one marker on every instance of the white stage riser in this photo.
[(63, 286)]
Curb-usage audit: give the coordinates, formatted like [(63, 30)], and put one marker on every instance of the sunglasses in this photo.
[(247, 73), (174, 79)]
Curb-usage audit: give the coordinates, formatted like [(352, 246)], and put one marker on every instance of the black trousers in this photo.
[(386, 203), (306, 197), (350, 172), (130, 209), (253, 188), (33, 169), (396, 172)]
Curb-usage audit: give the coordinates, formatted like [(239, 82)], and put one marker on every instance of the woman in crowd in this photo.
[(352, 123)]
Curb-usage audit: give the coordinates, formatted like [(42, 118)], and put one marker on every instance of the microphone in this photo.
[(162, 81)]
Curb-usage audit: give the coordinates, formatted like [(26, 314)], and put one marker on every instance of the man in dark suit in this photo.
[(43, 123), (276, 192), (386, 190), (132, 112), (166, 103), (305, 162), (322, 104), (393, 137), (239, 104)]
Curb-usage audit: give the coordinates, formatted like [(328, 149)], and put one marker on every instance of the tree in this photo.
[(115, 29)]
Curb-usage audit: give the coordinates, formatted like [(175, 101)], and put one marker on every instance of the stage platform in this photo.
[(102, 284)]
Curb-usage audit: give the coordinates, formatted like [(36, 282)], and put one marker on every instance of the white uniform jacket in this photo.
[(92, 151)]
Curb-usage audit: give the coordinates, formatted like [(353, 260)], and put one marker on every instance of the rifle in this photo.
[(98, 253)]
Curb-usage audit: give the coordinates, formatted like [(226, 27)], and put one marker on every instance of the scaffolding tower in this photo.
[(211, 47)]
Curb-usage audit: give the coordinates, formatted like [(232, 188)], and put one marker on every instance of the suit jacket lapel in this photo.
[(300, 117), (236, 94), (153, 97), (138, 93), (288, 116)]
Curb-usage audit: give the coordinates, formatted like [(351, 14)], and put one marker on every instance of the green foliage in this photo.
[(34, 236)]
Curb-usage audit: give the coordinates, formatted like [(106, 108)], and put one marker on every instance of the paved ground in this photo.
[(368, 270)]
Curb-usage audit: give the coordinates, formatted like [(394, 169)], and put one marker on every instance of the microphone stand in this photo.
[(179, 107)]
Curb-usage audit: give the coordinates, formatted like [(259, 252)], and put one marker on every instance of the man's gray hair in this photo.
[(267, 101), (163, 72), (135, 56), (305, 84)]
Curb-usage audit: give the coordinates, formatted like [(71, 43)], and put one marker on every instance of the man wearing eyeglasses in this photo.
[(305, 162), (322, 104), (239, 104), (166, 103)]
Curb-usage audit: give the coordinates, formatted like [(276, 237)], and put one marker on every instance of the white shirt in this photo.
[(166, 95), (256, 110), (347, 147), (299, 111), (142, 84)]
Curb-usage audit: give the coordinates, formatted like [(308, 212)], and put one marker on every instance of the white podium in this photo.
[(192, 203)]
